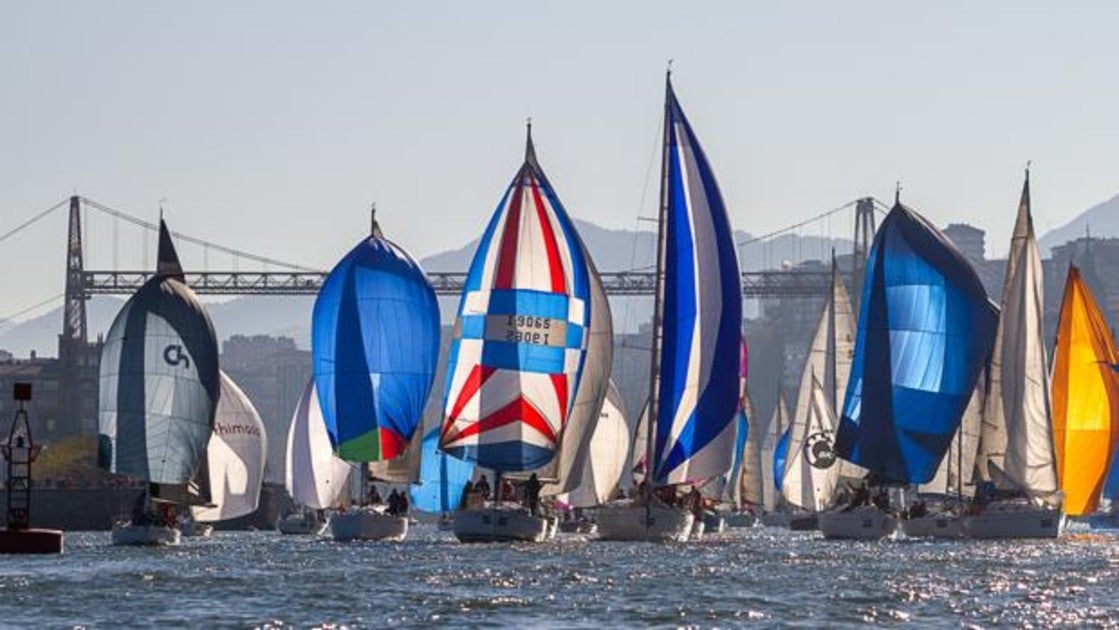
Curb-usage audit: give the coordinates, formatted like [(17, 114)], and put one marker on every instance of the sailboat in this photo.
[(374, 349), (1085, 397), (159, 390), (520, 349), (603, 464), (235, 458), (575, 456), (1016, 440), (697, 322), (953, 485), (811, 473), (774, 452), (745, 491), (924, 332), (314, 476)]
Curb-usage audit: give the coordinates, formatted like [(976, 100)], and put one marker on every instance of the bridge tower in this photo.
[(864, 236), (78, 360)]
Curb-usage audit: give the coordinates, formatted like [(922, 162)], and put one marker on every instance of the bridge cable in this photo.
[(196, 241), (28, 223)]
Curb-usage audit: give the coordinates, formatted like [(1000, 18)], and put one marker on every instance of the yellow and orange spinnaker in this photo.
[(1085, 397)]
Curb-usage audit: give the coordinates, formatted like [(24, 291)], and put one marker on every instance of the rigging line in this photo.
[(28, 223), (28, 309), (194, 240), (794, 226)]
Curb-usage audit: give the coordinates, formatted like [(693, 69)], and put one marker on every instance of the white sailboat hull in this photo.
[(153, 535), (489, 525), (628, 523), (309, 524), (861, 523), (367, 524), (1013, 520), (944, 525)]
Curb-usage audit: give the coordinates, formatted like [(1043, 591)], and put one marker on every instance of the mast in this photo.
[(658, 302), (832, 370)]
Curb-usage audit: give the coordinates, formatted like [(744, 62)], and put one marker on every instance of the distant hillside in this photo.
[(1101, 219), (613, 250)]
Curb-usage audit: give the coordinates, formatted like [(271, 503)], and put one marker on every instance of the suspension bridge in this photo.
[(276, 277)]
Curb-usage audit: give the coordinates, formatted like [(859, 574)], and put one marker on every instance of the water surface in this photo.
[(758, 577)]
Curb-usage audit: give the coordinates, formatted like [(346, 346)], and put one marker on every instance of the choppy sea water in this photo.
[(743, 577)]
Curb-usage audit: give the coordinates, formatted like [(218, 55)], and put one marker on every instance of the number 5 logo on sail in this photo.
[(174, 355)]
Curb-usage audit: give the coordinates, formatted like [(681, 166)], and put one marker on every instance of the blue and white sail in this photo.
[(925, 331), (159, 384), (696, 347), (442, 478), (520, 338), (374, 349)]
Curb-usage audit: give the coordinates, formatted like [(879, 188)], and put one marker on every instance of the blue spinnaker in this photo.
[(780, 454), (374, 348), (925, 330), (742, 429), (442, 478)]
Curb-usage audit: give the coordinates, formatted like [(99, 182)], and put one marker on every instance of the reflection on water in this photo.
[(757, 576)]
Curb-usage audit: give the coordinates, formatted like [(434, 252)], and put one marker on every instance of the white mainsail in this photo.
[(605, 463), (314, 476), (811, 467), (234, 456), (1017, 435)]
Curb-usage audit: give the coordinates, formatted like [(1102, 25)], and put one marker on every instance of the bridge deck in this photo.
[(760, 284)]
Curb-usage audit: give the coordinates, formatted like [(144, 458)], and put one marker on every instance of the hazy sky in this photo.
[(270, 126)]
